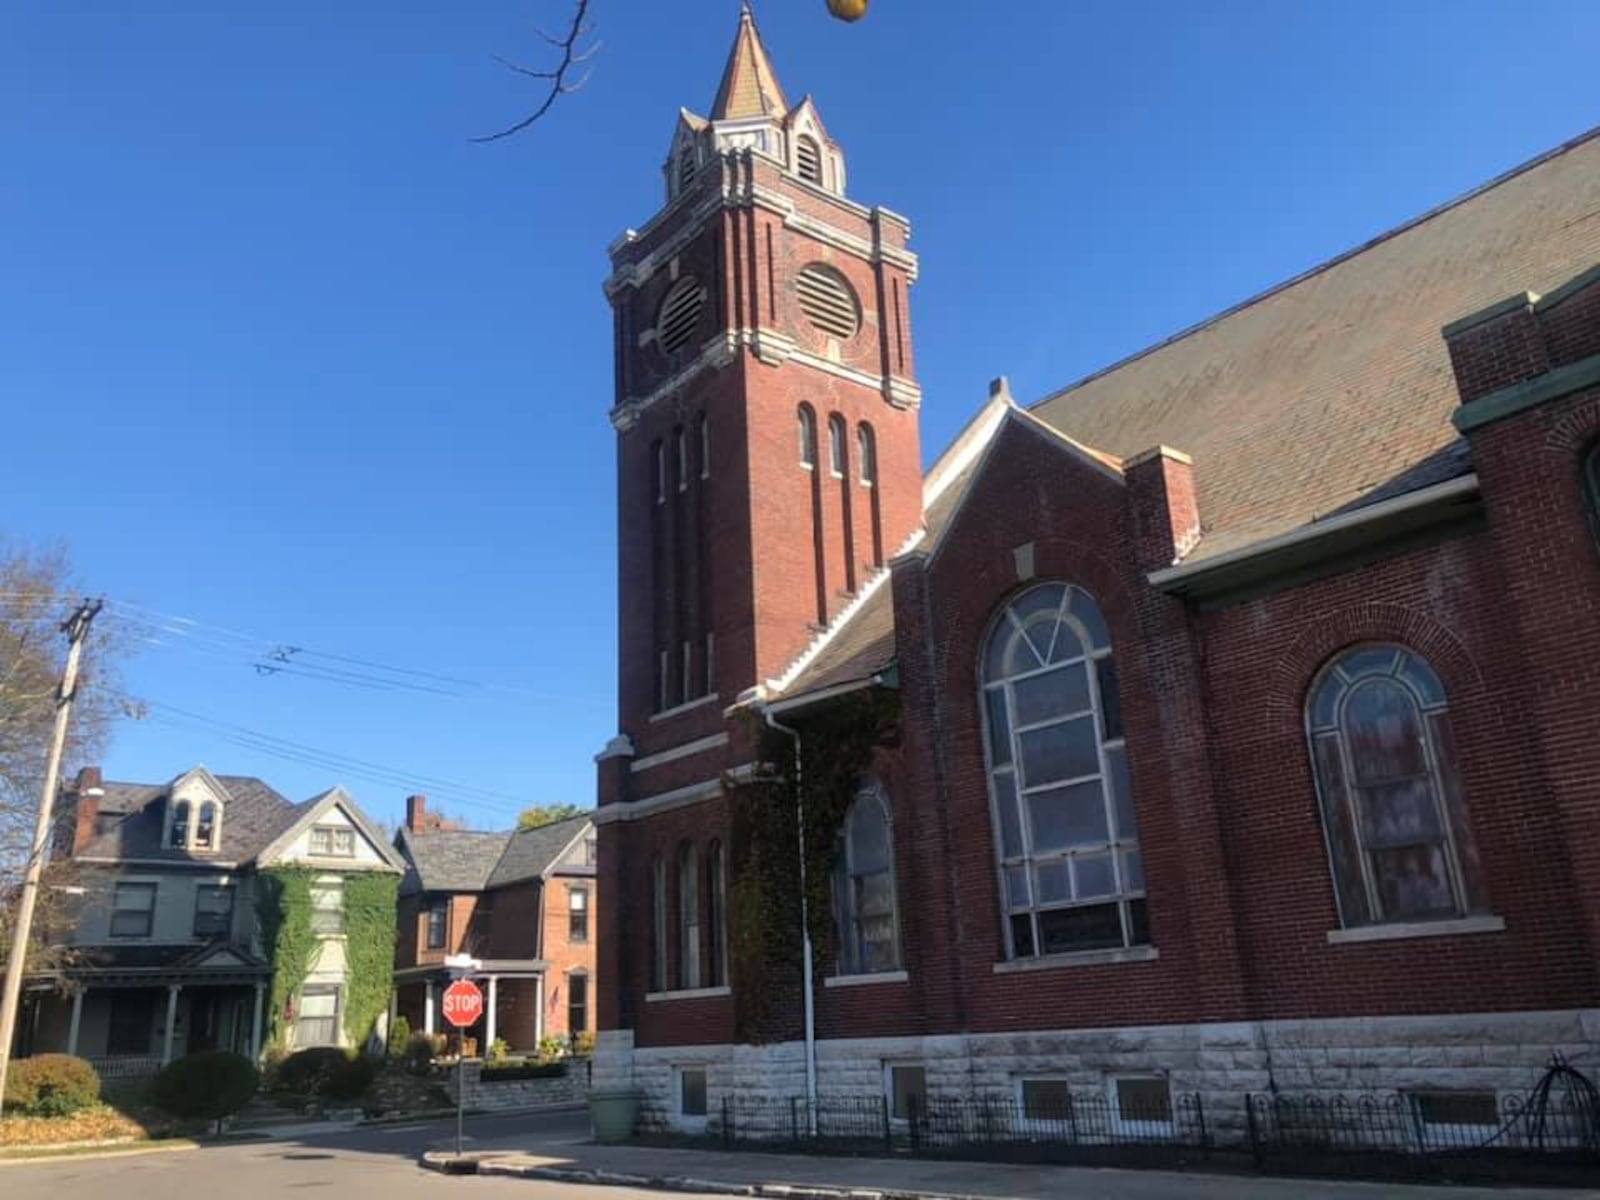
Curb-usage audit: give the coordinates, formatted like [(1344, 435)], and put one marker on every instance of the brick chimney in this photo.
[(87, 791), (416, 812)]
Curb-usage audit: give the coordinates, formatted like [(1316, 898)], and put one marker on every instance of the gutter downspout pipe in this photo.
[(805, 926)]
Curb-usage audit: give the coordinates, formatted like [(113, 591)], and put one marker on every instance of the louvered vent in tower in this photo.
[(808, 159), (828, 301), (680, 314)]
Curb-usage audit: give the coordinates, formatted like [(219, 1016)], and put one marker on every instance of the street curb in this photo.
[(49, 1154), (440, 1114), (491, 1164)]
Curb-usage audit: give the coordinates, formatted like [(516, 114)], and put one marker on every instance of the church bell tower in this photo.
[(766, 405)]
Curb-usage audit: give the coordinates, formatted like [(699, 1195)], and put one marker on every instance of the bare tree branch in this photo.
[(572, 55)]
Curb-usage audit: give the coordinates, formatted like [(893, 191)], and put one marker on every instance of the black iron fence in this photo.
[(1551, 1134)]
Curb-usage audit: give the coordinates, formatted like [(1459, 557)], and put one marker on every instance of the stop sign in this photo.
[(463, 1004)]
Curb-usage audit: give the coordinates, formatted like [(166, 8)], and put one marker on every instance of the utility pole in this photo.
[(76, 627)]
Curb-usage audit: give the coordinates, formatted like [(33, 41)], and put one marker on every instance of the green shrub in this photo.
[(399, 1037), (421, 1050), (306, 1072), (349, 1080), (499, 1050), (51, 1085), (206, 1086), (551, 1047)]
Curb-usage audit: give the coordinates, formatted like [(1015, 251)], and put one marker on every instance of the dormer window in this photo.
[(205, 833), (178, 839)]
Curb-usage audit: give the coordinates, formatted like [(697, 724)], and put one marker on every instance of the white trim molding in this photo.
[(698, 746), (1416, 929), (705, 993), (844, 981), (697, 702), (1081, 958)]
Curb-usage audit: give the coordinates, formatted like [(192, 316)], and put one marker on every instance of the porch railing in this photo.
[(127, 1066)]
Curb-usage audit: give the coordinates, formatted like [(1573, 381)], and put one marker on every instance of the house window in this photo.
[(1066, 840), (688, 917), (716, 916), (658, 924), (906, 1087), (836, 445), (692, 1092), (1399, 841), (577, 915), (577, 1003), (333, 841), (131, 1020), (438, 923), (808, 159), (179, 839), (133, 907), (213, 910), (317, 1023), (1044, 1103), (867, 452), (205, 834), (808, 438), (327, 907), (1141, 1105), (863, 887)]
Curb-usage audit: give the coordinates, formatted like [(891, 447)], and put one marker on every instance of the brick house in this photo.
[(525, 903), (1244, 736), (166, 955)]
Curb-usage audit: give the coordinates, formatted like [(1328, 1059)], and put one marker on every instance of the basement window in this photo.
[(1448, 1119)]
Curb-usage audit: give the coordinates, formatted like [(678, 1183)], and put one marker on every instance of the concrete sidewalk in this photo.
[(800, 1177)]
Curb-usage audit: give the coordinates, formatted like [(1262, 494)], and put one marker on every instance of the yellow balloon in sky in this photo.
[(848, 10)]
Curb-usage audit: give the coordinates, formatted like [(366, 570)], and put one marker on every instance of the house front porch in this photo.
[(513, 998)]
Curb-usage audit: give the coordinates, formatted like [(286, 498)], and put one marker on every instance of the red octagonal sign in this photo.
[(463, 1003)]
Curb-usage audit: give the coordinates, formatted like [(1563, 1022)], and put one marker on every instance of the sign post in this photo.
[(463, 1007)]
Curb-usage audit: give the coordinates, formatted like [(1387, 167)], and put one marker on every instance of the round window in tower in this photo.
[(680, 314), (828, 301)]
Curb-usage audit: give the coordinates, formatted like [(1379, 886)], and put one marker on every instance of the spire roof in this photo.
[(750, 86)]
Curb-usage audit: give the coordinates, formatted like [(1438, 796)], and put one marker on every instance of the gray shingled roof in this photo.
[(254, 815), (446, 860)]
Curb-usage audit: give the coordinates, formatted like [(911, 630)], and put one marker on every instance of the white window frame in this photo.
[(331, 837), (180, 826), (838, 456), (1027, 1124), (215, 840), (578, 902), (690, 918), (807, 419), (694, 1122), (867, 452), (890, 1066), (325, 886), (871, 792), (1120, 847), (1137, 1127), (337, 991)]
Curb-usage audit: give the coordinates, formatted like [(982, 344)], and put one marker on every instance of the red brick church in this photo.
[(1246, 731)]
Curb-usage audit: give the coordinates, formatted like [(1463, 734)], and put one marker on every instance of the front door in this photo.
[(205, 1020)]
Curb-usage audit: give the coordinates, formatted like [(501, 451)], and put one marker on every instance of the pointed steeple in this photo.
[(750, 86)]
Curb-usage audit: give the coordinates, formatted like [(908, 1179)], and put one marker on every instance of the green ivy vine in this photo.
[(283, 913), (765, 950), (369, 925)]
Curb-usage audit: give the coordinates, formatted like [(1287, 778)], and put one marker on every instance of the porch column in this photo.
[(427, 1006), (77, 1021), (172, 1020), (538, 1021), (255, 1025), (494, 981)]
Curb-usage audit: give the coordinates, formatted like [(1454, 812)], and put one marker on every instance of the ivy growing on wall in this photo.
[(765, 949), (369, 923), (283, 914)]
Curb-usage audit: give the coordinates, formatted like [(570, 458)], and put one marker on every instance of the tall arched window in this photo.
[(658, 924), (1072, 876), (682, 439), (716, 915), (836, 437), (808, 159), (1591, 487), (658, 468), (808, 437), (688, 917), (1399, 841), (179, 837), (867, 452), (205, 834), (865, 922), (705, 447)]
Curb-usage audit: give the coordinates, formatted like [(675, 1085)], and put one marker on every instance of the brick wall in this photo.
[(565, 956)]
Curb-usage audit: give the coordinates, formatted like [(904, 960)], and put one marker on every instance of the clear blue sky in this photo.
[(282, 352)]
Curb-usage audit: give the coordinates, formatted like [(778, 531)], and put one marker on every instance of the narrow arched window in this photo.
[(1399, 842), (179, 838), (682, 439), (705, 448), (808, 437), (867, 452), (1591, 488), (866, 926), (205, 834), (658, 924), (658, 469), (808, 159), (717, 915), (1071, 873), (688, 917), (836, 445)]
